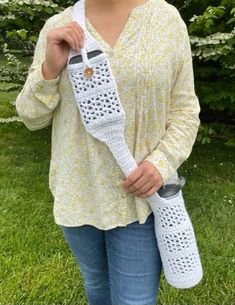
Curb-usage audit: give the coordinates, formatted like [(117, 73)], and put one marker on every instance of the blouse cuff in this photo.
[(43, 88), (39, 83), (159, 160)]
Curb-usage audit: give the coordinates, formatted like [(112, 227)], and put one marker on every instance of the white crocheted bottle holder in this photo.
[(104, 118)]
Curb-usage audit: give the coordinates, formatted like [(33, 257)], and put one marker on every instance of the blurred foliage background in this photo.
[(211, 26), (34, 271)]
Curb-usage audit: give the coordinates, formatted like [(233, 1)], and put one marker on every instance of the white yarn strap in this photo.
[(103, 116), (84, 57)]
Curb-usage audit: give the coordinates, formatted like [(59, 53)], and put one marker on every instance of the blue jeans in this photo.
[(120, 266)]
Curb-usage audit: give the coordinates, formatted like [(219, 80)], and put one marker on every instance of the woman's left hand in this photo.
[(144, 181)]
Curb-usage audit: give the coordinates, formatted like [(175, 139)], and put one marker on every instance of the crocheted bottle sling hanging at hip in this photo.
[(103, 116)]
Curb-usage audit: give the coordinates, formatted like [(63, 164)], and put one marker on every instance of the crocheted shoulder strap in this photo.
[(78, 15), (103, 116), (96, 95)]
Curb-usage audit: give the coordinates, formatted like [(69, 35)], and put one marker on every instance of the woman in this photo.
[(105, 218)]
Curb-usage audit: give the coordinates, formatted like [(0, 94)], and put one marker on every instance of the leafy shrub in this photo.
[(211, 26), (21, 21), (212, 36), (205, 133), (214, 131), (13, 72), (20, 24)]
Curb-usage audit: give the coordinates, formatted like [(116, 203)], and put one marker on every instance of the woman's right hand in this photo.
[(59, 41)]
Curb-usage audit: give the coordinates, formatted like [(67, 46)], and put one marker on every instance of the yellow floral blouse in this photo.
[(152, 65)]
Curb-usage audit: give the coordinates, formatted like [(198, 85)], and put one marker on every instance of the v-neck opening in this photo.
[(112, 48), (125, 28)]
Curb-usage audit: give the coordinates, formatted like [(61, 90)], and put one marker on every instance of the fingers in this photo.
[(77, 33), (72, 34), (137, 191), (143, 182), (135, 175), (149, 193), (146, 190), (137, 185), (70, 39)]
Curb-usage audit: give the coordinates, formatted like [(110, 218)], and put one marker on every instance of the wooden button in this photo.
[(88, 72)]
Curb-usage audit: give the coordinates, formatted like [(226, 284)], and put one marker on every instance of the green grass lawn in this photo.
[(36, 264), (6, 109)]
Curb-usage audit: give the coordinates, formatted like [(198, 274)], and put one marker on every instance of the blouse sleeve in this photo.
[(39, 97), (183, 123)]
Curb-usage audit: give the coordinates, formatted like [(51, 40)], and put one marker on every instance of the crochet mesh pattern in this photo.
[(104, 118)]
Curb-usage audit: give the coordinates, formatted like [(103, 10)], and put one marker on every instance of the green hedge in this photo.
[(211, 26)]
